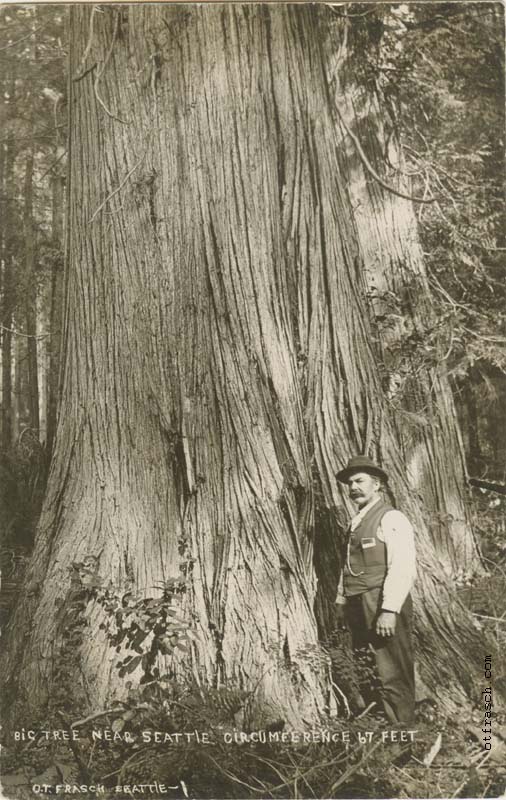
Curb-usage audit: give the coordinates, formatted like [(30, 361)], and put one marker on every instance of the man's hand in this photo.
[(340, 616), (385, 625)]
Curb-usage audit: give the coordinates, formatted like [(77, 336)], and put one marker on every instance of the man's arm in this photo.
[(397, 533), (340, 603), (340, 598)]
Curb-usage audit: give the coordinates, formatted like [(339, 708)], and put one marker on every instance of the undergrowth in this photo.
[(188, 740)]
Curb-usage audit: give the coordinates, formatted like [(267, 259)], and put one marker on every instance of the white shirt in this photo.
[(396, 531)]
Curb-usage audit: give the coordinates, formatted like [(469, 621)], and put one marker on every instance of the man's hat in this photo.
[(361, 464)]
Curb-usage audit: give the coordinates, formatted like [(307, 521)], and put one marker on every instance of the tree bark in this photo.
[(56, 312), (7, 156), (220, 364), (475, 456), (31, 297), (20, 412)]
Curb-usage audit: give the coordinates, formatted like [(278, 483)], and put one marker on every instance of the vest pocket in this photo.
[(366, 543), (371, 553)]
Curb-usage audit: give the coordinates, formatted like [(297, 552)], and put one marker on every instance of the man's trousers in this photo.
[(393, 654)]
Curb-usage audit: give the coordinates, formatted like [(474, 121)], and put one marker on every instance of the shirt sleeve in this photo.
[(397, 532)]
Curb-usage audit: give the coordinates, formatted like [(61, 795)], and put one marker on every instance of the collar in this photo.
[(363, 511)]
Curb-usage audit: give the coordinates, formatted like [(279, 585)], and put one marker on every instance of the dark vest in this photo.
[(365, 563)]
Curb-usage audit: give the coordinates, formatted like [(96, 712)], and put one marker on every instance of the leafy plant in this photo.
[(145, 626)]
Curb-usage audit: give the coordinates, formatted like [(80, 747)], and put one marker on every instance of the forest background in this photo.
[(441, 73)]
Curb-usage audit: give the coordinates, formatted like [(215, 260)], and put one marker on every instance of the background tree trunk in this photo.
[(20, 410), (31, 297), (412, 366), (7, 302), (56, 312), (475, 457), (220, 364)]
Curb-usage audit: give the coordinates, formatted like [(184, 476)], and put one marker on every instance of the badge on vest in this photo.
[(365, 543)]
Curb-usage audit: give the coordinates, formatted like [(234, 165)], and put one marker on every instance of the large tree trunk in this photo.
[(219, 358)]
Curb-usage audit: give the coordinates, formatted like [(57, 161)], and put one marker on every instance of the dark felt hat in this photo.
[(361, 464)]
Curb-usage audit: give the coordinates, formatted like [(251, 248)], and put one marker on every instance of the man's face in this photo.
[(363, 487)]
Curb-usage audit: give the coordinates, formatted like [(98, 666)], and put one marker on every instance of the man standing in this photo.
[(378, 573)]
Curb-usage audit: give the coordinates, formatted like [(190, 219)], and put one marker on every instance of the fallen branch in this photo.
[(343, 697), (80, 722), (232, 777), (354, 767), (52, 166), (25, 335), (498, 488), (24, 38), (366, 710), (485, 616), (303, 775)]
